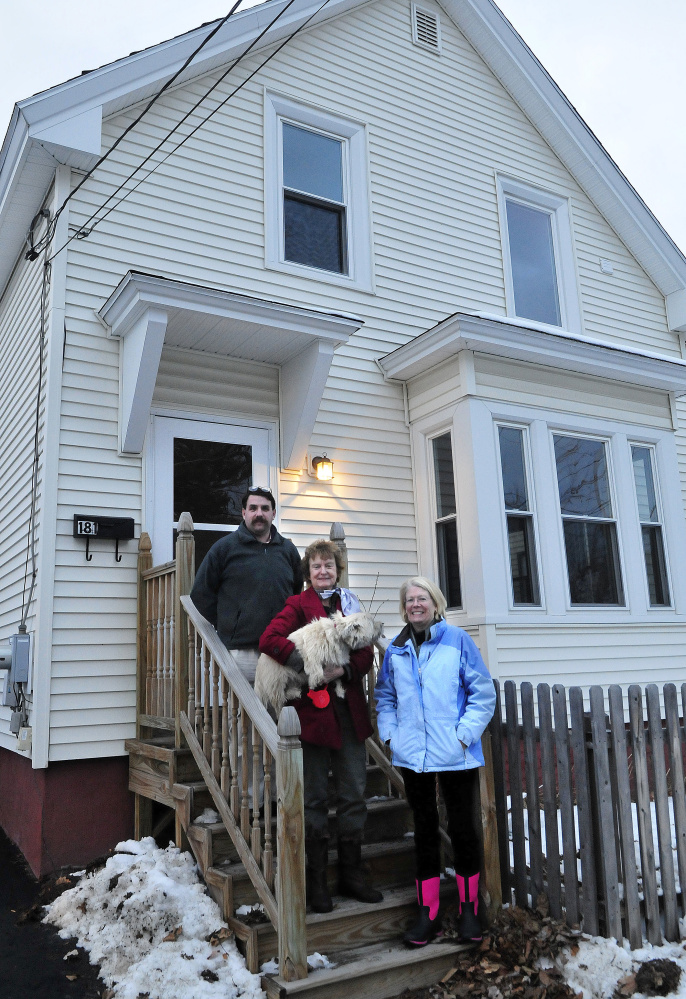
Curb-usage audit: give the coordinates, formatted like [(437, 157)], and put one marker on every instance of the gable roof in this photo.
[(64, 124)]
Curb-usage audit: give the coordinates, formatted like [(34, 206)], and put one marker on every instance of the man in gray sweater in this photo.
[(246, 578)]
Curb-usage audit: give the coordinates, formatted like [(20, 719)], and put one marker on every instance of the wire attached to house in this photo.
[(43, 245), (86, 228), (33, 508), (33, 251)]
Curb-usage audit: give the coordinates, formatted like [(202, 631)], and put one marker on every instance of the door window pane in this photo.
[(532, 260), (210, 478), (582, 477), (312, 163)]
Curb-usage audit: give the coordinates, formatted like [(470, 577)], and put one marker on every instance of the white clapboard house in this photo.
[(394, 243)]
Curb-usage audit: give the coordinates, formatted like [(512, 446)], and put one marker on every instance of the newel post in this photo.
[(290, 831), (337, 535), (185, 574)]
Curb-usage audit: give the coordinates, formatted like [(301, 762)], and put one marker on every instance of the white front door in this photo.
[(203, 468)]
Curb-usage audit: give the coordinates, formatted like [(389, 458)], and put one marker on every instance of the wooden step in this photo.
[(348, 926), (387, 819), (155, 766), (375, 972)]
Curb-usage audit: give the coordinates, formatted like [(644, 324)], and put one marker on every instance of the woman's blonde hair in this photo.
[(431, 588)]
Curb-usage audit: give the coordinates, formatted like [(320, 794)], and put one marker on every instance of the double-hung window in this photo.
[(540, 275), (588, 520), (316, 194), (642, 459), (445, 520), (519, 515), (314, 210)]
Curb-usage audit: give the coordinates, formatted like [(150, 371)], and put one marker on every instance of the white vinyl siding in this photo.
[(19, 326), (434, 150)]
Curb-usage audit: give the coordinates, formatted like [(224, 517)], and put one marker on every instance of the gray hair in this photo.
[(431, 588)]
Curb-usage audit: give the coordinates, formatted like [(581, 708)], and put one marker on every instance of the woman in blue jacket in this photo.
[(434, 698)]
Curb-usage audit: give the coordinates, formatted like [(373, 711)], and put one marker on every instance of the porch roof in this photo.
[(523, 340), (148, 311)]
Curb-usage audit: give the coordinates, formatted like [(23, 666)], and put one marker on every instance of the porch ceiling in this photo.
[(146, 312)]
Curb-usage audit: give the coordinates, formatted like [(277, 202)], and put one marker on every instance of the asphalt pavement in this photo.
[(32, 964)]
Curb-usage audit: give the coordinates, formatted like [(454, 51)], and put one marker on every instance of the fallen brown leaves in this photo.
[(503, 965)]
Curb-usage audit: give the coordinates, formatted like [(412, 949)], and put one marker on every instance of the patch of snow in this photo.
[(70, 953), (78, 874), (314, 962), (318, 960), (208, 818), (244, 910), (122, 913), (599, 964)]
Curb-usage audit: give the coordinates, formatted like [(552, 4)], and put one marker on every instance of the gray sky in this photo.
[(620, 62)]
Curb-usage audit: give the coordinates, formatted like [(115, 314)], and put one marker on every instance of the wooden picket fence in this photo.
[(589, 783)]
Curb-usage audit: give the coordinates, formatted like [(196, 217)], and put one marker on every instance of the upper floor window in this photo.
[(588, 520), (316, 194), (519, 514), (649, 515), (445, 520), (314, 213), (540, 275)]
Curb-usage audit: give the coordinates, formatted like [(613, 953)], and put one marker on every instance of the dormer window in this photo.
[(538, 256), (316, 194)]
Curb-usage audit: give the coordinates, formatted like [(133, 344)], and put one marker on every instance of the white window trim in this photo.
[(277, 108), (651, 447), (563, 245), (531, 487), (157, 508)]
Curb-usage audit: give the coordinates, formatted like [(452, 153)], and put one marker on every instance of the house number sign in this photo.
[(94, 526)]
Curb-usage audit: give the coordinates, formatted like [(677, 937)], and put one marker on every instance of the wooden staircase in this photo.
[(198, 723), (363, 941)]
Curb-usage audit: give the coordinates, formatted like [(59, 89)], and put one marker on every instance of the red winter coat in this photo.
[(319, 726)]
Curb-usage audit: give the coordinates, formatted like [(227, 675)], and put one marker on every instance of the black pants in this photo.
[(458, 788)]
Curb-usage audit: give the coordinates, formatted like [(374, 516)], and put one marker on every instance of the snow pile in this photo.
[(146, 920), (599, 965)]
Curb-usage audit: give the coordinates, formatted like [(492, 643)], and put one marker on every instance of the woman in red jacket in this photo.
[(332, 730)]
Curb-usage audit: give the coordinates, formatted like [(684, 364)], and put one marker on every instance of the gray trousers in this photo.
[(349, 768), (246, 660)]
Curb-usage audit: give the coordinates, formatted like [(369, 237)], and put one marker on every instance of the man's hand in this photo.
[(332, 673)]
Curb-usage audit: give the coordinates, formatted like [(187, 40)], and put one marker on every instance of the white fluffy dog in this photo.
[(325, 641)]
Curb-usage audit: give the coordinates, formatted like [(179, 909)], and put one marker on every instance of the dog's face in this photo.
[(358, 630)]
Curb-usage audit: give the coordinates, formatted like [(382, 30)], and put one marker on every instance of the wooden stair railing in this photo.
[(236, 746)]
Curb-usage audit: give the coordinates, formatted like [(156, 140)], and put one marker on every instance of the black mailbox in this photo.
[(91, 525)]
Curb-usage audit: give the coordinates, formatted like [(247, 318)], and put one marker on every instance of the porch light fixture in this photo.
[(323, 468)]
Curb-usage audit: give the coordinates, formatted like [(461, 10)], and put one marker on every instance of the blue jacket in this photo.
[(428, 704)]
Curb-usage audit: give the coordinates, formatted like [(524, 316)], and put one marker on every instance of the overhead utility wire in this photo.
[(47, 238), (84, 229)]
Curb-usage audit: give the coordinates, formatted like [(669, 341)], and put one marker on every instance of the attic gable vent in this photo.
[(426, 28)]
